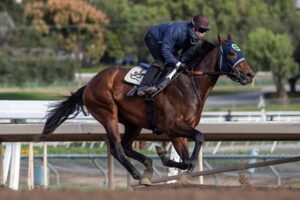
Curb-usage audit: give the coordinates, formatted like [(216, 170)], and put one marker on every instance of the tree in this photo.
[(6, 24), (269, 51), (284, 18), (78, 25), (14, 9), (129, 22)]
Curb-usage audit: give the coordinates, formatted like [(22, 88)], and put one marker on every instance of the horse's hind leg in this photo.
[(110, 124), (131, 132)]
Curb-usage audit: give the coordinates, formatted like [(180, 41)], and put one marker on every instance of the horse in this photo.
[(178, 106)]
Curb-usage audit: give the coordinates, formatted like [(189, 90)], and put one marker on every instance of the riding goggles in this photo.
[(201, 30)]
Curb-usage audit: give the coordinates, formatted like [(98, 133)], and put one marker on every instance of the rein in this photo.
[(203, 73)]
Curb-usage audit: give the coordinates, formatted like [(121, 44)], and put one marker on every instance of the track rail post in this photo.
[(111, 171), (30, 176), (200, 160), (1, 166), (45, 166)]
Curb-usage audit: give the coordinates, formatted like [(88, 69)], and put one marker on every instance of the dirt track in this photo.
[(169, 192)]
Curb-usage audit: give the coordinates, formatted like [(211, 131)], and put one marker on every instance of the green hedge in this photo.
[(35, 70)]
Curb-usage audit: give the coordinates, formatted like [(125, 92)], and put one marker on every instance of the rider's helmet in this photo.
[(200, 23)]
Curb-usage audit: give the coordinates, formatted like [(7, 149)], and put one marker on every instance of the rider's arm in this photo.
[(167, 47)]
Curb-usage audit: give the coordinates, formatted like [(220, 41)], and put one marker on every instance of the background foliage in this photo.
[(101, 32), (272, 52), (77, 25)]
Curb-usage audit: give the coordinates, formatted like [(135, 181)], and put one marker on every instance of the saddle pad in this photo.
[(135, 75)]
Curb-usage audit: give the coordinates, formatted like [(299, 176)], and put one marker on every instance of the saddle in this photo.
[(136, 75)]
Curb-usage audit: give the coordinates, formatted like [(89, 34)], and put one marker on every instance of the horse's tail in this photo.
[(61, 111)]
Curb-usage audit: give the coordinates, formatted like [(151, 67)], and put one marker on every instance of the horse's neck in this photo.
[(204, 84), (210, 62)]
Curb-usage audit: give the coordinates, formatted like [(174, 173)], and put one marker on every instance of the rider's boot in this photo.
[(150, 78)]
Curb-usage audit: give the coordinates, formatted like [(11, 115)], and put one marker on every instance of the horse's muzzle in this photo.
[(245, 78), (241, 77)]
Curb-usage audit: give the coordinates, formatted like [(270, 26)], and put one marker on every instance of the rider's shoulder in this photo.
[(174, 24), (179, 24)]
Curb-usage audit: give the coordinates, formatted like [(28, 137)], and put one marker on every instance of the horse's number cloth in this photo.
[(135, 75)]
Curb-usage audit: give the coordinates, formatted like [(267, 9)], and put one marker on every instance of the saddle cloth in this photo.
[(136, 74)]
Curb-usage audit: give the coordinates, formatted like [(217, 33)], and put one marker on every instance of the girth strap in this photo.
[(151, 115), (150, 111)]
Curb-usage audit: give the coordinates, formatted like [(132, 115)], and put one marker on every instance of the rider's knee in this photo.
[(159, 64)]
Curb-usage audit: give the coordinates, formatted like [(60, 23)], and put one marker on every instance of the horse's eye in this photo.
[(231, 53)]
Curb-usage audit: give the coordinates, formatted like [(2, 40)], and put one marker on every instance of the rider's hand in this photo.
[(180, 66)]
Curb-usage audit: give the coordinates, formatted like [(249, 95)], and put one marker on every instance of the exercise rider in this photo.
[(164, 41)]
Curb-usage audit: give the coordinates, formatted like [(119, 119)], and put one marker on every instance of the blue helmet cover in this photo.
[(228, 65)]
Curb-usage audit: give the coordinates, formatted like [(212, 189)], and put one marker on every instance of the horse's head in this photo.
[(233, 62)]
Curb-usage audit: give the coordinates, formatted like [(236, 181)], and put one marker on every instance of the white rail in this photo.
[(213, 127), (35, 111)]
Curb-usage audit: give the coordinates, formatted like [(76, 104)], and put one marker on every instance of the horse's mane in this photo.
[(193, 63), (199, 53)]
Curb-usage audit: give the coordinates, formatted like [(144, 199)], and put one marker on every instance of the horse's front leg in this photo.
[(199, 140), (181, 147)]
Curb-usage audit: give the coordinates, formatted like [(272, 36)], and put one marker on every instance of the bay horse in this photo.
[(178, 106)]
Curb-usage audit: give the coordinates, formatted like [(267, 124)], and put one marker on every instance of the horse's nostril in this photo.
[(250, 75)]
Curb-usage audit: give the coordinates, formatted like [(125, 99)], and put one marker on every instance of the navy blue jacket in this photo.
[(175, 36)]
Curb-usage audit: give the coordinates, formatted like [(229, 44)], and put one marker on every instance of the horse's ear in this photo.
[(229, 37), (221, 40)]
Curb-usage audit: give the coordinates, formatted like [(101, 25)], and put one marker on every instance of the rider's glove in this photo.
[(180, 66)]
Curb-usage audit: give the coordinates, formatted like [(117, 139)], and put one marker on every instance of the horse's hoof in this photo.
[(160, 150), (145, 181)]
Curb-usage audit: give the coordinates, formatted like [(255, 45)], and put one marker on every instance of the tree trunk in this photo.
[(281, 92), (292, 83)]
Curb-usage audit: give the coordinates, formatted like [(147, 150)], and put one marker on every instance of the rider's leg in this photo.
[(153, 73), (147, 84)]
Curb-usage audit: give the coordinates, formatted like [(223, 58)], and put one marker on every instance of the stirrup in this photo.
[(163, 84), (143, 90)]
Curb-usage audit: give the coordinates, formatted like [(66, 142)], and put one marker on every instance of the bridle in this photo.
[(232, 73)]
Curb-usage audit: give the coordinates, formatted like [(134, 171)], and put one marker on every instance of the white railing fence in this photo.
[(22, 120)]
